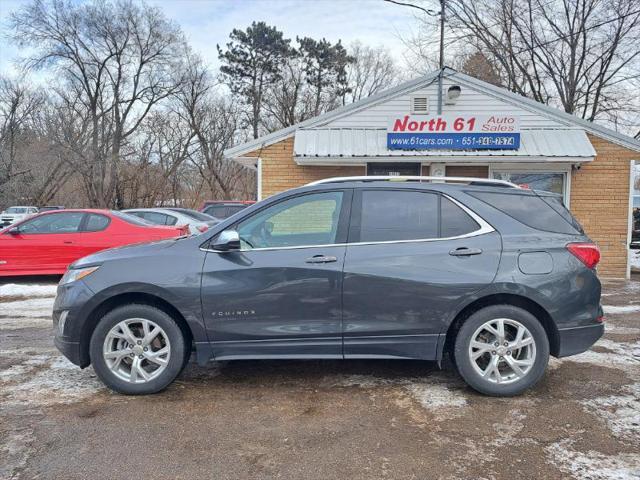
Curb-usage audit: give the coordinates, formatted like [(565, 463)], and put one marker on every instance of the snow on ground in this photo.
[(29, 290), (620, 309), (47, 380), (31, 308), (635, 259), (593, 465), (434, 393), (620, 412), (617, 354)]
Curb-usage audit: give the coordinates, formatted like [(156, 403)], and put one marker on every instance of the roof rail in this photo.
[(417, 178)]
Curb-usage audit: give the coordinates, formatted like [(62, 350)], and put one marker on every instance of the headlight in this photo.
[(75, 274)]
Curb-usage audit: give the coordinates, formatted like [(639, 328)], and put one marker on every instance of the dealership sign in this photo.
[(453, 132)]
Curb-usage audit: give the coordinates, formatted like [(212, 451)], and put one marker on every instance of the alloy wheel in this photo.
[(136, 350), (502, 351)]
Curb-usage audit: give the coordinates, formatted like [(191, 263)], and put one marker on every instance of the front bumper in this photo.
[(72, 299), (578, 339)]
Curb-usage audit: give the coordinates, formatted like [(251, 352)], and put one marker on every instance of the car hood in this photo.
[(127, 251)]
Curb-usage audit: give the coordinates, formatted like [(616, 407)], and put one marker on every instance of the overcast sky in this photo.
[(209, 22)]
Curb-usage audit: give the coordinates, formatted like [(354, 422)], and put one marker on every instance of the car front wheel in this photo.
[(137, 349), (501, 350)]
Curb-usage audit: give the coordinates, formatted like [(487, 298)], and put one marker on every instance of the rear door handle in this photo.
[(465, 252), (68, 242), (321, 259)]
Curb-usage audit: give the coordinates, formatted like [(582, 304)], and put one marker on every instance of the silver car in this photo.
[(198, 222), (14, 214)]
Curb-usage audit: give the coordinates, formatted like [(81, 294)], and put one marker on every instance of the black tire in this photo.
[(464, 363), (177, 360)]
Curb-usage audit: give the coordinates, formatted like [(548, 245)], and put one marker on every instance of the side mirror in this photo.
[(227, 240), (14, 231)]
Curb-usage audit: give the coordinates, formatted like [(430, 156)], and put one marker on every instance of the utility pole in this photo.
[(441, 57), (441, 61)]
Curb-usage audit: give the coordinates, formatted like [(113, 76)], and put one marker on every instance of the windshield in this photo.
[(133, 220), (202, 217), (16, 210)]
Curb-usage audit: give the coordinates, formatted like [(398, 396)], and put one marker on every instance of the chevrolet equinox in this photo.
[(495, 276)]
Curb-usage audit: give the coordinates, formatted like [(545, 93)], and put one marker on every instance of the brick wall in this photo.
[(600, 201), (474, 171), (280, 172)]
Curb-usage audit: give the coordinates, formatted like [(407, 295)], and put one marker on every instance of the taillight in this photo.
[(587, 253), (202, 228)]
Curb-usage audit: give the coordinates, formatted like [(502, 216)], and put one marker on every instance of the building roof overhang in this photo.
[(355, 146)]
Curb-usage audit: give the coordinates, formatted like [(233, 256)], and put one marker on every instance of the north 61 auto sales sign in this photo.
[(453, 132)]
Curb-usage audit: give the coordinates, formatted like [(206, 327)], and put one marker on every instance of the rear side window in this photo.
[(96, 223), (528, 209), (454, 221), (233, 209), (218, 212), (557, 204), (389, 215)]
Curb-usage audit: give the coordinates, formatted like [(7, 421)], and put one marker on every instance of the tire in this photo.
[(160, 360), (517, 368)]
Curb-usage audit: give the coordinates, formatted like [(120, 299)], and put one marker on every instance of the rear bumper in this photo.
[(578, 339)]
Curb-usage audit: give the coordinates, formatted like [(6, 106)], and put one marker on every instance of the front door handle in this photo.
[(68, 242), (465, 252), (321, 259)]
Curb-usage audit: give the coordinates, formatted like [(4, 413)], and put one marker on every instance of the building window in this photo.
[(554, 182)]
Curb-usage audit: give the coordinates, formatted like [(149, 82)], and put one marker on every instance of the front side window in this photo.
[(306, 220), (53, 223)]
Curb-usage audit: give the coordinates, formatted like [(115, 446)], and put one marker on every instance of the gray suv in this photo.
[(494, 276)]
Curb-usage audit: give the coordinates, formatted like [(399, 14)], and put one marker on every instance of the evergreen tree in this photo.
[(253, 60)]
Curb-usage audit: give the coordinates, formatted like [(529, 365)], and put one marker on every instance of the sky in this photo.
[(209, 22)]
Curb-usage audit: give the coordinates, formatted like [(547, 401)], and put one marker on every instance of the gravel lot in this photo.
[(316, 419)]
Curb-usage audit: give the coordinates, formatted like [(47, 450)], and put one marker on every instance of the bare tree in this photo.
[(288, 100), (372, 70), (214, 122), (576, 53), (18, 106), (116, 61)]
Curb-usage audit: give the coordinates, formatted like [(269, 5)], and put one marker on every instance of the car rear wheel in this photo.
[(137, 349), (501, 350)]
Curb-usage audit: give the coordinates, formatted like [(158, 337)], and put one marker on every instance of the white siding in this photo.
[(470, 101)]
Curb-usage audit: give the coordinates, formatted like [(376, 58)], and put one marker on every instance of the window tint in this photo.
[(53, 223), (557, 204), (218, 212), (398, 215), (231, 210), (305, 220), (454, 221), (96, 223), (528, 209)]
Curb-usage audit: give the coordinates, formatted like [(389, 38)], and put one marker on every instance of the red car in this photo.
[(47, 243)]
